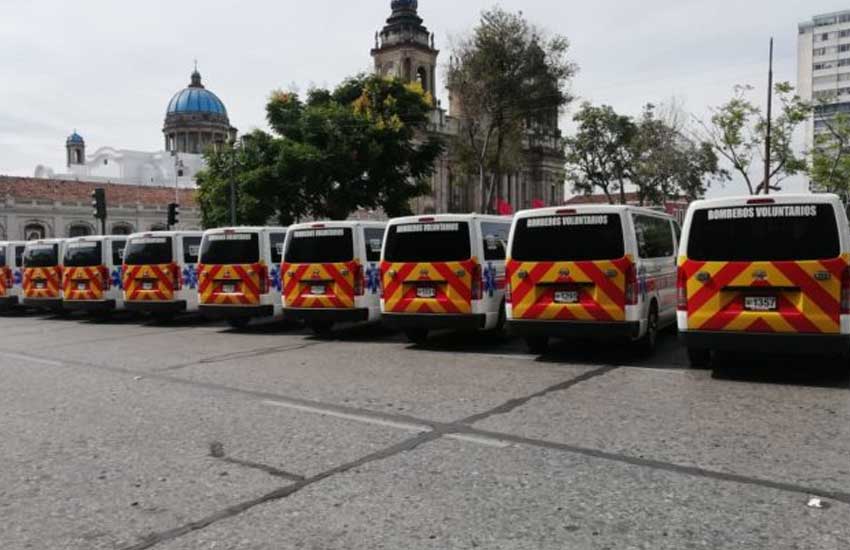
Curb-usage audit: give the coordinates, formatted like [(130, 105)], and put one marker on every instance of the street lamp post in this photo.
[(232, 183)]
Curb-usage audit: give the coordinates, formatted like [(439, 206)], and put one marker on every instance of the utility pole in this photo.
[(768, 136)]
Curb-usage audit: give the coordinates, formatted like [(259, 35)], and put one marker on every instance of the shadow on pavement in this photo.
[(818, 372)]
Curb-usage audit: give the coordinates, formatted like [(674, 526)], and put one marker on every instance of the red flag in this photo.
[(537, 203), (504, 207)]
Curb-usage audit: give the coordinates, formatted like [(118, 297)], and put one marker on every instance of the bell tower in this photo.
[(405, 49), (75, 148)]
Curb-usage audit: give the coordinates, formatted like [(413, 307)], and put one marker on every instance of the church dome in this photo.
[(196, 99), (75, 139)]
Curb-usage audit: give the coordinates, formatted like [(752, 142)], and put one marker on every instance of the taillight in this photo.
[(359, 282), (8, 278), (263, 275), (682, 290), (106, 282), (845, 292), (176, 279), (477, 283), (508, 294), (631, 286)]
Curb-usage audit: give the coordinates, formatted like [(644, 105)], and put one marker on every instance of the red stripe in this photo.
[(794, 317), (811, 289), (454, 281), (526, 285), (725, 276), (600, 279)]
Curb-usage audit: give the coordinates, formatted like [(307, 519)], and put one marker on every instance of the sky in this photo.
[(108, 69)]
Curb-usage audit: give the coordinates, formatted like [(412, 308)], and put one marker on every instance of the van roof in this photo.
[(449, 218), (12, 243), (142, 234), (347, 223), (250, 229), (47, 241), (95, 238), (588, 208), (795, 198)]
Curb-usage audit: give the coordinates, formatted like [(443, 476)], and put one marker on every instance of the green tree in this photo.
[(599, 154), (510, 80), (738, 130), (830, 170), (361, 145)]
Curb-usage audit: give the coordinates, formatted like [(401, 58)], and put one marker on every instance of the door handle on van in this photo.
[(703, 276), (523, 274)]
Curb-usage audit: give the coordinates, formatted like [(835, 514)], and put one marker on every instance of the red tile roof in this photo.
[(70, 191)]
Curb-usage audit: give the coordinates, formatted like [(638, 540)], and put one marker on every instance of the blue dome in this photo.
[(75, 139), (196, 99)]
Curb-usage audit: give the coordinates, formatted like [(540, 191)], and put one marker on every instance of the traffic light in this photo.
[(99, 203), (173, 214)]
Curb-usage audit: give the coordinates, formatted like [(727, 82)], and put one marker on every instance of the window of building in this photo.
[(844, 18), (844, 34), (79, 230), (121, 229), (824, 37), (819, 51), (844, 48), (34, 232)]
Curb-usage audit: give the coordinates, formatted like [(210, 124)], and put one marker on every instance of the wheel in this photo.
[(500, 324), (239, 323), (649, 342), (321, 328), (699, 358), (537, 345), (417, 335)]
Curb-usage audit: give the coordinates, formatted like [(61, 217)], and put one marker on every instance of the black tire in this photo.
[(503, 316), (417, 335), (537, 345), (239, 323), (649, 343), (699, 359), (322, 328)]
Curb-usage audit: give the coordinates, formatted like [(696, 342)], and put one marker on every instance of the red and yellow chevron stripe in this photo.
[(321, 286), (600, 288), (234, 285), (150, 283), (808, 295), (5, 280), (42, 282), (84, 283), (449, 283)]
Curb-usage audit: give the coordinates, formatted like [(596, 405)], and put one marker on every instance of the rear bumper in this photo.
[(816, 344), (434, 321), (352, 315), (177, 306), (7, 302), (98, 306), (575, 329), (236, 312), (54, 304)]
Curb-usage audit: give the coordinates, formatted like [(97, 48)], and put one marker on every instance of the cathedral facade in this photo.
[(405, 49)]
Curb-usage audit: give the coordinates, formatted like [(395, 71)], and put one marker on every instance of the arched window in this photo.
[(122, 228), (34, 231), (3, 236), (79, 229), (78, 155), (408, 71), (422, 76)]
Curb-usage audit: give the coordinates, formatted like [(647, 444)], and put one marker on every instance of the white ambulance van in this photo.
[(161, 272), (768, 274), (444, 272), (331, 273), (239, 274), (604, 272), (91, 276), (11, 273)]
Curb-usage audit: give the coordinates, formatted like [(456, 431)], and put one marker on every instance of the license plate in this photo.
[(566, 297), (426, 292), (40, 284), (760, 303), (228, 288), (82, 286), (318, 290), (147, 285)]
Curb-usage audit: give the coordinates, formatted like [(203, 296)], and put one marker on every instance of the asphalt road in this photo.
[(129, 435)]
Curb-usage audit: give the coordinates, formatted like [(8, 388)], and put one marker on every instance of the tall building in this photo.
[(823, 60), (195, 119), (405, 49)]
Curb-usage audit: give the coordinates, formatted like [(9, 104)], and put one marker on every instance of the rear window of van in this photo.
[(230, 248), (19, 256), (320, 246), (428, 242), (41, 255), (586, 237), (83, 254), (796, 232), (3, 256), (148, 251)]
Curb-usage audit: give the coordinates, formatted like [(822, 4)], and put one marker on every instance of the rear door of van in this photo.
[(232, 271), (569, 267), (428, 268), (765, 268), (320, 268)]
